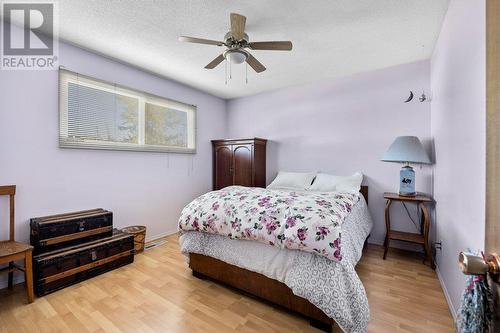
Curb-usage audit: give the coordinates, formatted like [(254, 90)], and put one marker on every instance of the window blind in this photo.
[(95, 114)]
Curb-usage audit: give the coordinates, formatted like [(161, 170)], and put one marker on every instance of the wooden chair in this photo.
[(11, 251)]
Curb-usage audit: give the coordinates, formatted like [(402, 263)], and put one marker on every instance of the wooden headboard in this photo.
[(364, 191)]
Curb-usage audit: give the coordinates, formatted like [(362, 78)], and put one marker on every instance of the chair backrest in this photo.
[(10, 190)]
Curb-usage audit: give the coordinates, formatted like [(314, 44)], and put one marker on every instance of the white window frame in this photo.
[(66, 77)]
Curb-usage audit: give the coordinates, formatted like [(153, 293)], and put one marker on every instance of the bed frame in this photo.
[(255, 284)]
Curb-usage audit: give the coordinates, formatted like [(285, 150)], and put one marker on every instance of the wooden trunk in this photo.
[(57, 231), (239, 162), (61, 268)]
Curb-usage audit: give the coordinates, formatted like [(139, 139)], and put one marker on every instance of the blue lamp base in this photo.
[(407, 181)]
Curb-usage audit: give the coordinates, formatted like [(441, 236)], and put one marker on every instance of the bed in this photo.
[(315, 282)]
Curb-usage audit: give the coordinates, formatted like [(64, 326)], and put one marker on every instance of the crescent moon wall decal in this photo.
[(409, 97)]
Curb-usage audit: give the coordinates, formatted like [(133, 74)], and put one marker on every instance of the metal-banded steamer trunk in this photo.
[(58, 231), (64, 267)]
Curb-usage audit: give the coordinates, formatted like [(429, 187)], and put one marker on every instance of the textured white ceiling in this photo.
[(331, 38)]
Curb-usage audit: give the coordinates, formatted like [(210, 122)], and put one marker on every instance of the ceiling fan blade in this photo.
[(200, 40), (273, 46), (255, 64), (238, 25), (215, 62)]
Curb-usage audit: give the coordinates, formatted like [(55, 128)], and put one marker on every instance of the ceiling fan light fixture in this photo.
[(235, 42), (236, 56)]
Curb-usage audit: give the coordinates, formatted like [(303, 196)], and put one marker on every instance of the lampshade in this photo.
[(406, 149)]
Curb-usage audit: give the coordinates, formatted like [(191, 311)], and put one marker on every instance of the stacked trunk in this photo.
[(73, 247)]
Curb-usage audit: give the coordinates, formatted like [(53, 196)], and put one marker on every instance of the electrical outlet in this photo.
[(438, 245)]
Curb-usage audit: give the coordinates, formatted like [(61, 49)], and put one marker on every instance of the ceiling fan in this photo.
[(236, 41)]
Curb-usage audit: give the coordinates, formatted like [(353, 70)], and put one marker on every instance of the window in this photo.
[(99, 115)]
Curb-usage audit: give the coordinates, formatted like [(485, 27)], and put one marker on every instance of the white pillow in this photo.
[(292, 180), (330, 183)]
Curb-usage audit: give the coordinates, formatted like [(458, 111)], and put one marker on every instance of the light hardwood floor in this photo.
[(158, 294)]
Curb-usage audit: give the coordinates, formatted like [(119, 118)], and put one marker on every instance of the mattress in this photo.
[(332, 286)]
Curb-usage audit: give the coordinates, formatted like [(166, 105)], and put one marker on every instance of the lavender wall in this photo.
[(458, 121), (340, 127), (140, 188)]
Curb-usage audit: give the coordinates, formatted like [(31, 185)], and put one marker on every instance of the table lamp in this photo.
[(406, 149)]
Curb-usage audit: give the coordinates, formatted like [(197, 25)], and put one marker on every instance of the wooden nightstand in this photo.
[(423, 237)]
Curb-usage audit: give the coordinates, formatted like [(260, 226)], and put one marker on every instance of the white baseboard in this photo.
[(453, 311), (162, 235), (18, 278), (397, 245), (375, 241)]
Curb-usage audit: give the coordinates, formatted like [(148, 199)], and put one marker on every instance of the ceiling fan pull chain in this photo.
[(230, 71), (246, 72), (225, 71)]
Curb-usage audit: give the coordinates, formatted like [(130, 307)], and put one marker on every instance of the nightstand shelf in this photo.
[(407, 237), (421, 238)]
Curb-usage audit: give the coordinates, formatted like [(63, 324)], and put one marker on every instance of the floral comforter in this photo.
[(307, 221)]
